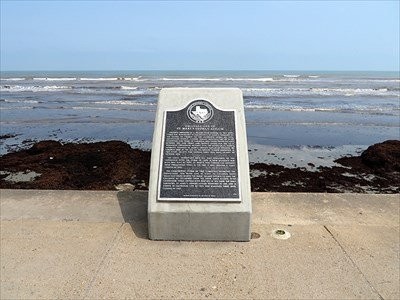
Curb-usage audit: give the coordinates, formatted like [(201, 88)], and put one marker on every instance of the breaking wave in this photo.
[(22, 88), (125, 102), (300, 92)]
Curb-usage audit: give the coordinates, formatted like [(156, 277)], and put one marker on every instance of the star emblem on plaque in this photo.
[(200, 111)]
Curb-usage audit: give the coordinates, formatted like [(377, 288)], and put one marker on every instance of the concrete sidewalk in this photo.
[(85, 244)]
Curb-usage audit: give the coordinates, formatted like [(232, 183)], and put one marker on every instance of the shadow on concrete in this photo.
[(133, 205)]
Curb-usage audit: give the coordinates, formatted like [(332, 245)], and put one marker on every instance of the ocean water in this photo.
[(291, 110)]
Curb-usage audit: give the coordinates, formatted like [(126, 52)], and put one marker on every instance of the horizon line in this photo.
[(196, 70)]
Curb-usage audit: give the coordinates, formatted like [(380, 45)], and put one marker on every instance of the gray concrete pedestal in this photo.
[(217, 219)]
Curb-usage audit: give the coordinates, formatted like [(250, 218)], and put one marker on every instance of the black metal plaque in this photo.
[(199, 159)]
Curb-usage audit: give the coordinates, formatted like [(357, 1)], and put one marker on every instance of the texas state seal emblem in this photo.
[(200, 111)]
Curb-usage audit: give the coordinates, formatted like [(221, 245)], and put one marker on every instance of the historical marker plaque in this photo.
[(199, 187), (199, 157)]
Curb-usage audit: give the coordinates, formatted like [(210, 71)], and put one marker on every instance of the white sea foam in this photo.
[(54, 78), (29, 88), (291, 76), (285, 107), (262, 79), (115, 108), (12, 79), (133, 78), (295, 92), (351, 108), (117, 90), (136, 92), (100, 79), (112, 79), (265, 79), (20, 101), (190, 79), (299, 79), (267, 106), (61, 79), (124, 102), (128, 87), (89, 108)]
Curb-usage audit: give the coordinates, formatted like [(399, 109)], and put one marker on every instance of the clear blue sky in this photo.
[(94, 35)]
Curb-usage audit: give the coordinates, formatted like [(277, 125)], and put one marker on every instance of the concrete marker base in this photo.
[(218, 220)]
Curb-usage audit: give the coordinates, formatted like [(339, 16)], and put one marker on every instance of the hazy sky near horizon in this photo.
[(122, 35)]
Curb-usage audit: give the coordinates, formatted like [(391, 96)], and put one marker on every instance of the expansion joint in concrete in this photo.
[(354, 263), (103, 259)]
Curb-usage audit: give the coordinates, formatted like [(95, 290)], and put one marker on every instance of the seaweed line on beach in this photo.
[(112, 164)]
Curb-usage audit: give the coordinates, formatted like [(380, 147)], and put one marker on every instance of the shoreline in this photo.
[(290, 156), (115, 165)]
